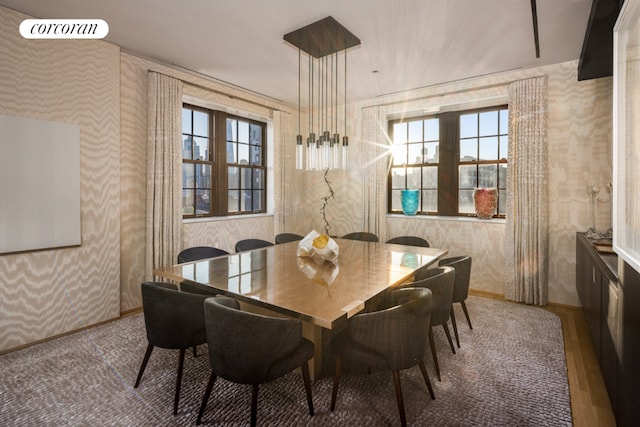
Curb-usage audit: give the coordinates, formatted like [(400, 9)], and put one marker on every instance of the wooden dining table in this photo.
[(275, 281)]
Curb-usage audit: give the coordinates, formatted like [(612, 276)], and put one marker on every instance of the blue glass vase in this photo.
[(409, 200)]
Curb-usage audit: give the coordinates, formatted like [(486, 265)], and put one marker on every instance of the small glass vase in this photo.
[(485, 201), (410, 201)]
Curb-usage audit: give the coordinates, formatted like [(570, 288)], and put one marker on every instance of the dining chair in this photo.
[(196, 253), (462, 265), (409, 240), (440, 281), (173, 320), (250, 348), (250, 244), (361, 235), (288, 237), (393, 338)]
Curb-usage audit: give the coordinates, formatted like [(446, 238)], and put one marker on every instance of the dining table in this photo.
[(323, 294)]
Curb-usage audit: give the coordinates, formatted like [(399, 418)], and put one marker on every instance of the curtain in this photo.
[(527, 221), (164, 172), (374, 170)]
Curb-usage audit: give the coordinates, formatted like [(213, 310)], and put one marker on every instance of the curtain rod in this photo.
[(450, 92), (218, 91)]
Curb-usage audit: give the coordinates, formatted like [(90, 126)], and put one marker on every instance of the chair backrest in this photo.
[(288, 237), (244, 346), (392, 332), (440, 281), (249, 244), (200, 252), (173, 319), (361, 235), (409, 240), (462, 265)]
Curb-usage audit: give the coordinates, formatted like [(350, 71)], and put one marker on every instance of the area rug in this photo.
[(509, 371)]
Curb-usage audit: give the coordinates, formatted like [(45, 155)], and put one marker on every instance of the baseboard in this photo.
[(123, 314)]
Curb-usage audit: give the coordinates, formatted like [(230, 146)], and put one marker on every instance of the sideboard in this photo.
[(609, 292)]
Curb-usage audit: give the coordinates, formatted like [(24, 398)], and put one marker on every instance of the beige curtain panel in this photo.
[(527, 223), (164, 172)]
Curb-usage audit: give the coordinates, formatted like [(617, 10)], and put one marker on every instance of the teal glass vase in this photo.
[(410, 201)]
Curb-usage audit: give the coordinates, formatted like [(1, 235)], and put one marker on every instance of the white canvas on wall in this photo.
[(39, 184)]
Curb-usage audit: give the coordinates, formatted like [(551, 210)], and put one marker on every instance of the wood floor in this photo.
[(590, 404)]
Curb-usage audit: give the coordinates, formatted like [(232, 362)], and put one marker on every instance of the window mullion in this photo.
[(219, 131), (448, 171)]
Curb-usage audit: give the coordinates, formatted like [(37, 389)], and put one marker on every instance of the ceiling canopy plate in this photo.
[(322, 38)]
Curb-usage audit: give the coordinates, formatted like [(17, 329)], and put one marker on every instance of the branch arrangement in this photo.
[(325, 202)]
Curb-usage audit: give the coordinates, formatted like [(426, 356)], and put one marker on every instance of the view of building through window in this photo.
[(447, 156), (223, 168)]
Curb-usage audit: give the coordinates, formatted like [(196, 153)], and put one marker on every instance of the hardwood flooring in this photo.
[(590, 404)]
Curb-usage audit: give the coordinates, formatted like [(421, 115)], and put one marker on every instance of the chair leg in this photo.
[(336, 381), (195, 351), (396, 382), (466, 313), (434, 353), (178, 381), (307, 385), (445, 326), (254, 405), (147, 354), (455, 326), (425, 375), (205, 399)]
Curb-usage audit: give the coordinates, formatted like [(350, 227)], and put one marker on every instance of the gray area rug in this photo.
[(510, 371)]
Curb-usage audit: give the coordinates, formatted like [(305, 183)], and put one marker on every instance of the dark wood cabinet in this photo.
[(611, 303)]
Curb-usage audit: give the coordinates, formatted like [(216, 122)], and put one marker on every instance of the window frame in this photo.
[(220, 167), (448, 162)]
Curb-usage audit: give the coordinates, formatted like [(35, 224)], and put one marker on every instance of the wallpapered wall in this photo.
[(48, 292)]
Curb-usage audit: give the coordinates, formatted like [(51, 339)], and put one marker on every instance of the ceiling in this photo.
[(406, 44)]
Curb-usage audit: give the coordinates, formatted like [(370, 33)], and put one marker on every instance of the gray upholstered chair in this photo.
[(462, 265), (361, 235), (249, 348), (288, 237), (440, 281), (250, 244), (173, 320), (196, 253), (410, 241), (393, 338)]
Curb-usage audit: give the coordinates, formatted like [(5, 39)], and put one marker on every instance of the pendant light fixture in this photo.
[(325, 42)]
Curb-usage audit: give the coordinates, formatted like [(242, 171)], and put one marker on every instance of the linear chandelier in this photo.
[(323, 42)]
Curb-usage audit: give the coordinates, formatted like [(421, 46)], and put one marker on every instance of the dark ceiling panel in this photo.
[(322, 38), (596, 59)]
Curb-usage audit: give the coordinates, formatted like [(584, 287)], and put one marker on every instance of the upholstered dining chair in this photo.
[(361, 235), (196, 253), (393, 338), (250, 244), (173, 320), (440, 281), (250, 348), (462, 265), (288, 237), (409, 240)]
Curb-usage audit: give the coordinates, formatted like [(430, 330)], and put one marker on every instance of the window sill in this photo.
[(448, 218), (225, 218)]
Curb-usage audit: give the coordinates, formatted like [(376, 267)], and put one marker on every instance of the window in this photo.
[(446, 156), (223, 164)]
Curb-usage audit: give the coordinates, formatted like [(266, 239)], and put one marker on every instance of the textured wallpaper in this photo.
[(49, 292)]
